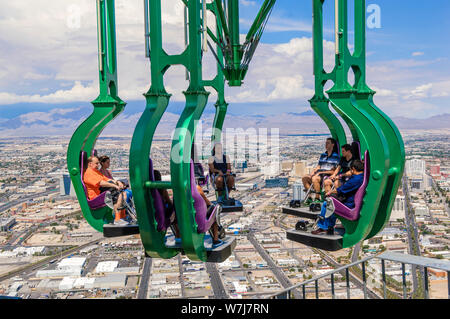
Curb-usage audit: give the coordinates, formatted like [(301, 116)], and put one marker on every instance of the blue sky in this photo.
[(46, 62)]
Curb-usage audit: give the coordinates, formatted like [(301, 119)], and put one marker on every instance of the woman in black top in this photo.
[(219, 166), (342, 172)]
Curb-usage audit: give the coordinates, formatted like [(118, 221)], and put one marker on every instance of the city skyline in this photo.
[(276, 222), (411, 78)]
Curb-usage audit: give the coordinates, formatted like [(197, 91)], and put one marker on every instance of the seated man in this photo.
[(219, 166), (345, 194), (342, 172), (327, 165), (96, 183)]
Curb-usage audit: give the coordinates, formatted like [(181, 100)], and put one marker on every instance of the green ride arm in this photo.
[(319, 103), (152, 239), (365, 129), (394, 139), (94, 218), (106, 107)]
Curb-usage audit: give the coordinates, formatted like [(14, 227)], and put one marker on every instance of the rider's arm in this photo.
[(108, 184), (166, 197), (315, 170), (213, 170), (336, 172), (228, 165)]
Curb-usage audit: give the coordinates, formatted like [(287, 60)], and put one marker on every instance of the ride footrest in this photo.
[(216, 255), (321, 241), (300, 212), (111, 230), (230, 205)]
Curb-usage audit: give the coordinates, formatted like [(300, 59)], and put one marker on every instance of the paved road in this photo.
[(410, 221), (216, 281), (281, 277), (355, 280), (145, 278), (24, 199)]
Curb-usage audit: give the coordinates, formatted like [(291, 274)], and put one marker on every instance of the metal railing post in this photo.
[(317, 289), (425, 275), (384, 278), (404, 281), (332, 287), (347, 279), (448, 283), (364, 279)]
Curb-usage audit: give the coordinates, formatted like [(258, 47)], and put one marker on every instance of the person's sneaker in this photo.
[(217, 243), (121, 222), (319, 231)]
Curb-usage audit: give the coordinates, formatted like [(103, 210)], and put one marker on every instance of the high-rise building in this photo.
[(287, 166), (300, 169), (427, 182), (297, 191), (65, 186), (435, 170), (415, 167), (398, 210), (270, 169)]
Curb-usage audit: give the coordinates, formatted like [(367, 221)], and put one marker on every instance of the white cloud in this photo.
[(247, 3), (78, 92), (48, 58)]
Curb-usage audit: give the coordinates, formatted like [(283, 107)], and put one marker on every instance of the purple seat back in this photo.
[(353, 213), (204, 223), (99, 201), (200, 174), (162, 217)]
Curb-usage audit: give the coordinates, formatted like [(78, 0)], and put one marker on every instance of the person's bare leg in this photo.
[(177, 230), (230, 182), (337, 183), (215, 232), (306, 182), (220, 181), (316, 185), (327, 185)]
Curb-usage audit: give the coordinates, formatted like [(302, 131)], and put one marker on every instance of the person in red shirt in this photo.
[(96, 183)]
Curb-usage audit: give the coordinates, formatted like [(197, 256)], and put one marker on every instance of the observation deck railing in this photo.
[(403, 259)]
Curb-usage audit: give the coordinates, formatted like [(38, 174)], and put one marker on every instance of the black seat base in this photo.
[(221, 253), (232, 205), (214, 255), (322, 241), (110, 230), (300, 212)]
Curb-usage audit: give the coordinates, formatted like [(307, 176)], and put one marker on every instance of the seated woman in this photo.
[(214, 227), (105, 163), (219, 166), (97, 183), (169, 208), (345, 194), (342, 172)]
